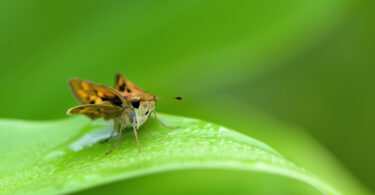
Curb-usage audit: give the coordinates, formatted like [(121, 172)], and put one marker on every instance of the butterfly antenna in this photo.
[(168, 98)]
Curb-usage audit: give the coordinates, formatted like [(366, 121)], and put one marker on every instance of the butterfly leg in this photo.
[(118, 138), (136, 137), (161, 122), (115, 125)]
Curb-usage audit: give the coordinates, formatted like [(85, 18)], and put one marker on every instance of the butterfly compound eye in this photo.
[(135, 102)]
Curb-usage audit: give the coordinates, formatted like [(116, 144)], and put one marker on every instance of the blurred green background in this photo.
[(308, 64)]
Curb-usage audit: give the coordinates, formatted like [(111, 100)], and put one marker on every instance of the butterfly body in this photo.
[(127, 104)]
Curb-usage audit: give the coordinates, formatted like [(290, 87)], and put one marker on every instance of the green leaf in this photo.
[(65, 156)]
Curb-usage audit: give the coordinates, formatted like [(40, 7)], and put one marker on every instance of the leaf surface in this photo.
[(65, 156)]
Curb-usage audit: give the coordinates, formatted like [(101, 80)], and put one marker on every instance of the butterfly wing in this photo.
[(124, 86), (105, 109), (91, 93)]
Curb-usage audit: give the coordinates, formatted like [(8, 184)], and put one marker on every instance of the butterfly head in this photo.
[(143, 105)]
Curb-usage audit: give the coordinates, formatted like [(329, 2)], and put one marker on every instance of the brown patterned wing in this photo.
[(88, 92), (124, 86), (104, 110)]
